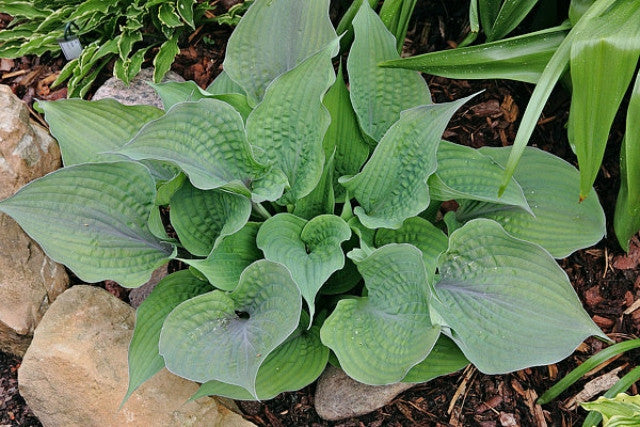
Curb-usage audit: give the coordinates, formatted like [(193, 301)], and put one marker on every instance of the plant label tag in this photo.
[(71, 47)]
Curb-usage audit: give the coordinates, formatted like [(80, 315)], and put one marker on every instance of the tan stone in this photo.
[(75, 371), (29, 281)]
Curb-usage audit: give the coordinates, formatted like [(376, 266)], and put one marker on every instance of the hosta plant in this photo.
[(306, 212)]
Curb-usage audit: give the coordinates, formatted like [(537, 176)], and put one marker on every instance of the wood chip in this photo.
[(6, 64), (603, 322), (469, 371), (509, 109), (593, 388), (536, 410), (14, 74), (553, 371), (633, 307), (507, 420)]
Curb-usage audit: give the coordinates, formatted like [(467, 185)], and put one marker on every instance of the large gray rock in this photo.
[(338, 396), (29, 280), (75, 371), (138, 92)]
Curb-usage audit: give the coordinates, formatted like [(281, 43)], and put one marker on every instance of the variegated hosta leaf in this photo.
[(507, 301), (561, 224), (393, 183), (202, 217), (265, 45), (420, 233), (380, 94), (293, 365), (229, 258), (86, 130), (379, 338), (93, 219), (309, 249), (206, 139), (144, 359), (445, 358), (289, 124), (227, 336), (465, 173)]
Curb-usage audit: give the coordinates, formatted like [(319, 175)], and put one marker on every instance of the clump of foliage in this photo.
[(598, 47), (306, 212), (122, 29), (622, 410)]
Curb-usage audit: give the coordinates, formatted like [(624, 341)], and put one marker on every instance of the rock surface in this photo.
[(29, 280), (339, 397), (138, 91), (137, 295), (75, 371)]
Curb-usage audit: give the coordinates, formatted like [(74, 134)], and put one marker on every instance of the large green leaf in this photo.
[(511, 13), (420, 233), (309, 249), (144, 359), (559, 223), (93, 219), (229, 258), (379, 94), (223, 84), (343, 136), (227, 336), (632, 147), (289, 124), (322, 199), (520, 58), (507, 301), (379, 338), (202, 217), (265, 44), (206, 139), (86, 130), (291, 366), (445, 358), (603, 61), (465, 173), (626, 220), (393, 183)]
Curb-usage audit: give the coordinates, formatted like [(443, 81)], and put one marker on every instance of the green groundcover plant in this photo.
[(306, 212)]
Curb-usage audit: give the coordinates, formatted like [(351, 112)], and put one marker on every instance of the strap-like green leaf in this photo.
[(465, 173), (202, 217), (421, 234), (379, 94), (85, 130), (559, 222), (379, 338), (144, 359), (309, 249), (511, 14), (445, 358), (93, 219), (393, 183), (291, 366), (206, 139), (227, 336), (626, 220), (507, 301), (603, 62), (290, 122), (229, 258), (264, 45), (632, 147)]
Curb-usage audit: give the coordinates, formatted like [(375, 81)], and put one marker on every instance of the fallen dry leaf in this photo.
[(593, 388)]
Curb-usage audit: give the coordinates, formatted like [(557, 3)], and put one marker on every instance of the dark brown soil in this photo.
[(606, 279)]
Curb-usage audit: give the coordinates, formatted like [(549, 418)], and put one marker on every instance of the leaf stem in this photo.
[(260, 210)]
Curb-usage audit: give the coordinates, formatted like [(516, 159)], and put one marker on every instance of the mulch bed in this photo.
[(606, 279)]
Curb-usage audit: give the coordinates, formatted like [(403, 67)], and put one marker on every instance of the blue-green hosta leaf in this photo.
[(290, 122), (223, 85), (229, 258), (85, 130), (603, 61), (322, 199), (206, 139), (420, 233), (465, 173), (379, 94), (561, 224), (309, 249), (293, 365), (507, 301), (343, 136), (202, 217), (445, 358), (93, 219), (144, 359), (379, 338), (264, 45), (172, 93), (227, 336), (393, 183)]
